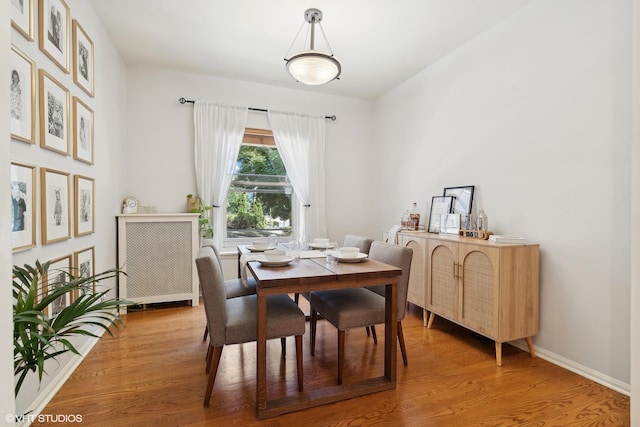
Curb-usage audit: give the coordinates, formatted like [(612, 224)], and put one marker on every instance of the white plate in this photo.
[(266, 263), (252, 249), (319, 245), (359, 258)]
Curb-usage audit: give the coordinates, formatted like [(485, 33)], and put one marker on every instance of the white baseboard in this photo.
[(577, 368)]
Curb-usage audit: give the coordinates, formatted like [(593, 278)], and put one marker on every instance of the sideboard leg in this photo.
[(498, 353), (432, 317), (532, 351), (425, 314)]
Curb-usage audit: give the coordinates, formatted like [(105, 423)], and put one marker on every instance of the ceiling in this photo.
[(379, 43)]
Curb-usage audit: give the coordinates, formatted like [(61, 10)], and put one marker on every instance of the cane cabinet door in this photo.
[(479, 276), (442, 288)]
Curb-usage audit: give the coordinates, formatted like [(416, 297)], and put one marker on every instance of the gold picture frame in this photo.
[(23, 206), (82, 131), (22, 101), (84, 262), (53, 31), (55, 205), (58, 273), (84, 198), (22, 17), (54, 114), (82, 59)]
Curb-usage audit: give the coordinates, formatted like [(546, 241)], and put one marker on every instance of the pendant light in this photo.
[(311, 66)]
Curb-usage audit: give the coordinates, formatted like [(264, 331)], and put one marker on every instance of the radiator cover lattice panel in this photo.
[(159, 259)]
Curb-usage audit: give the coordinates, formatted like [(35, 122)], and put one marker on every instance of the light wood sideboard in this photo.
[(491, 289)]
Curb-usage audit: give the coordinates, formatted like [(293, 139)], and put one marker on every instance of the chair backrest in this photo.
[(211, 243), (363, 243), (213, 294), (398, 256)]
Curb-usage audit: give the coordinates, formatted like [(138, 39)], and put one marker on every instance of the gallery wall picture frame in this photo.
[(55, 205), (23, 206), (53, 31), (84, 202), (82, 131), (440, 205), (82, 58), (463, 202), (57, 275), (84, 266), (22, 17), (22, 101), (54, 114)]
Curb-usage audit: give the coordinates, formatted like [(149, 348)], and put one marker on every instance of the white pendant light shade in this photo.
[(311, 66)]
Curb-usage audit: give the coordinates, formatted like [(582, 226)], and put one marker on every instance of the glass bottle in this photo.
[(414, 216), (483, 221)]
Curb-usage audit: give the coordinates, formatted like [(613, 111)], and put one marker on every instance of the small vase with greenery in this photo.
[(195, 205), (38, 337)]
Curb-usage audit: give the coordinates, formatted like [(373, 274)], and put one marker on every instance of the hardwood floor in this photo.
[(152, 373)]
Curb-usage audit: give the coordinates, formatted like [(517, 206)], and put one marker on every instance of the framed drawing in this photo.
[(84, 266), (55, 203), (53, 31), (82, 131), (22, 17), (450, 223), (56, 277), (23, 203), (463, 199), (84, 205), (440, 205), (22, 96), (54, 114), (82, 59)]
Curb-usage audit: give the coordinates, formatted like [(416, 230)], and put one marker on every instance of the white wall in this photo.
[(536, 114), (109, 107), (160, 165), (7, 401)]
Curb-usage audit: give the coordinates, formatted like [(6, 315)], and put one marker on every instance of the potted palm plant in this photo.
[(38, 337)]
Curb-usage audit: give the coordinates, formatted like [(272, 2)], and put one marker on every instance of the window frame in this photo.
[(255, 137)]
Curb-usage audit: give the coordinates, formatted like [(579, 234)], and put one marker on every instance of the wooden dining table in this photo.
[(313, 274)]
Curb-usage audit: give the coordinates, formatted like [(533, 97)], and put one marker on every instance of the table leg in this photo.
[(261, 356), (390, 331)]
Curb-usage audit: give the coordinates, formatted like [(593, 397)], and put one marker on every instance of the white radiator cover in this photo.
[(157, 252)]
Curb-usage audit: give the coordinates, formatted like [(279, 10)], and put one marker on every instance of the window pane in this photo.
[(259, 198)]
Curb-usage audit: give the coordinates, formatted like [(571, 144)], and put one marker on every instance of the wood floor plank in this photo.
[(153, 373)]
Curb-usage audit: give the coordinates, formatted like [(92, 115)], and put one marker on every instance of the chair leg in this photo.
[(283, 345), (299, 361), (373, 332), (313, 321), (217, 352), (366, 328), (209, 356), (403, 349), (340, 355), (206, 332), (296, 298)]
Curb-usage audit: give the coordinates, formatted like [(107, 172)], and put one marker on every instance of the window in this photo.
[(259, 199)]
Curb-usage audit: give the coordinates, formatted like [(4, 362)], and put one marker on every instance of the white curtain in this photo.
[(300, 140), (219, 130)]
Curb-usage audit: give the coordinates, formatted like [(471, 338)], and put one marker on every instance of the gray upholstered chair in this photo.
[(234, 320), (233, 287), (360, 242), (357, 307)]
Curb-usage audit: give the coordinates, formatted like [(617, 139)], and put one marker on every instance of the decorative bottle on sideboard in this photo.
[(414, 216), (483, 221)]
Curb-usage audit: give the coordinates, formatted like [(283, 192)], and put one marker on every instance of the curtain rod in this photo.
[(262, 110)]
